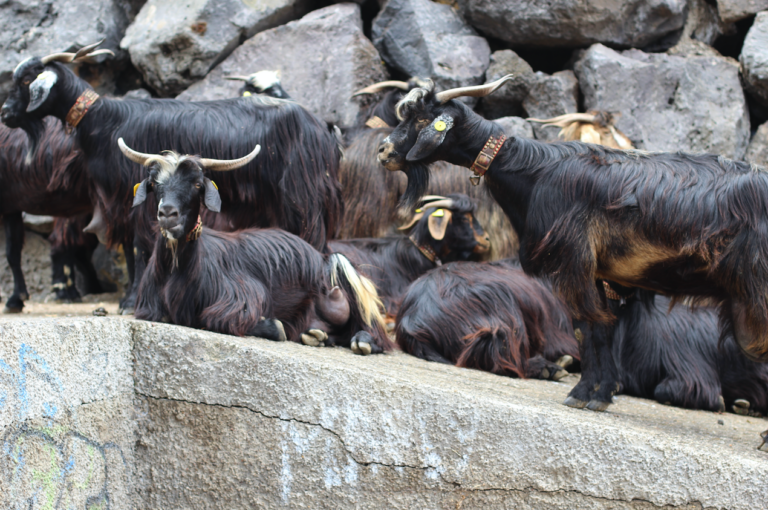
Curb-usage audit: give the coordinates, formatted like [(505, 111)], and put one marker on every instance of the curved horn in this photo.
[(378, 87), (135, 156), (564, 120), (223, 165), (476, 91), (87, 49), (439, 204), (427, 198), (237, 77), (58, 57), (91, 57)]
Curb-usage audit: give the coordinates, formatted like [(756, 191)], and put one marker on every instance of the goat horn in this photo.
[(68, 57), (87, 49), (135, 156), (564, 120), (378, 87), (439, 204), (223, 165), (58, 57), (427, 198), (476, 91), (90, 57), (237, 78)]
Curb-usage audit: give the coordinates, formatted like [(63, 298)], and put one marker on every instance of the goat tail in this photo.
[(496, 349), (361, 289)]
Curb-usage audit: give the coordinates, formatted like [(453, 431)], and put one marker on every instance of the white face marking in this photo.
[(21, 64), (264, 79)]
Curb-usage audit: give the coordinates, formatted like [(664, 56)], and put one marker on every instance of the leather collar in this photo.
[(194, 234), (80, 108), (485, 158), (615, 296), (427, 251)]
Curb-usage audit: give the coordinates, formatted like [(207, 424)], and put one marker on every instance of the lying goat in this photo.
[(444, 230), (679, 224), (488, 316), (259, 282)]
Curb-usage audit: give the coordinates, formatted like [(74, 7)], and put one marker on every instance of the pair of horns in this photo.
[(564, 120), (429, 201), (85, 54), (217, 165)]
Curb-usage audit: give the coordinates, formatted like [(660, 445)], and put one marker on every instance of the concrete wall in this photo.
[(211, 421)]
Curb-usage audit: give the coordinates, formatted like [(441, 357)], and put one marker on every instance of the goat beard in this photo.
[(35, 128), (418, 182), (173, 246)]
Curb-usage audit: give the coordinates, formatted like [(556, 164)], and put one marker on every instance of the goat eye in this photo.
[(198, 185), (27, 82)]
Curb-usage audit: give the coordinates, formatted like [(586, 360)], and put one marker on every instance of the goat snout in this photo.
[(388, 156), (168, 212)]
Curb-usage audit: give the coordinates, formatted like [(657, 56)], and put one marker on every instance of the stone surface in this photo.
[(67, 422), (35, 263), (323, 59), (668, 102), (550, 96), (754, 59), (757, 151), (175, 44), (243, 423), (515, 126), (508, 100), (38, 28), (423, 38), (573, 23), (734, 10)]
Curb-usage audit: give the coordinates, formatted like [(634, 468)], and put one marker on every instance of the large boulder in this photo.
[(175, 44), (423, 38), (757, 151), (734, 10), (551, 96), (571, 23), (323, 59), (515, 127), (754, 59), (38, 28), (508, 100), (690, 103)]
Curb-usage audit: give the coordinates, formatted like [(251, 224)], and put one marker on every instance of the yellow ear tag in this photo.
[(136, 188), (419, 210), (440, 125), (214, 185), (439, 213), (246, 94)]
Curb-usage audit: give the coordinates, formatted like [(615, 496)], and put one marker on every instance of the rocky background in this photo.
[(687, 75)]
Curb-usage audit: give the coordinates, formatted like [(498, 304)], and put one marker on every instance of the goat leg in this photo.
[(14, 241)]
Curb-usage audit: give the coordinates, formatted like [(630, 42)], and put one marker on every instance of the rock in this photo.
[(137, 94), (36, 223), (508, 99), (734, 10), (754, 59), (757, 151), (323, 59), (572, 23), (39, 28), (549, 97), (668, 102), (515, 126), (175, 44), (703, 23), (423, 38)]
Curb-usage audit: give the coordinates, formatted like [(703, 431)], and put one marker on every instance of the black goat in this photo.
[(371, 193), (679, 224), (261, 82), (260, 282), (51, 182), (488, 316), (444, 230), (294, 186)]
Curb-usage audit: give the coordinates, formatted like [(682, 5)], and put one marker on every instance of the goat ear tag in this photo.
[(140, 193), (440, 125), (439, 213), (136, 188), (246, 94), (430, 138), (214, 185)]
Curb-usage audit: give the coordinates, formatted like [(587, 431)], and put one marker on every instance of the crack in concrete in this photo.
[(453, 486)]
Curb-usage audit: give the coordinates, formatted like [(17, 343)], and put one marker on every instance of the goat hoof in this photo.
[(720, 404), (559, 374), (126, 311), (597, 406), (280, 331), (14, 309), (564, 361), (544, 373), (362, 348), (314, 338), (741, 407), (575, 402)]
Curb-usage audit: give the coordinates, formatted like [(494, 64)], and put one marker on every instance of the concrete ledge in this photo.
[(156, 416)]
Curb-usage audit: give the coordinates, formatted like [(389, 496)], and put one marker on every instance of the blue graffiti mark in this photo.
[(49, 409), (26, 353), (3, 398)]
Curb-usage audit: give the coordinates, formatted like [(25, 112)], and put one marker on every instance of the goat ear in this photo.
[(140, 192), (212, 199), (416, 217), (438, 223), (430, 138), (40, 89)]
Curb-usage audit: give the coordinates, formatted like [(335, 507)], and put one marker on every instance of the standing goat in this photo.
[(259, 282), (443, 230), (294, 186), (679, 224)]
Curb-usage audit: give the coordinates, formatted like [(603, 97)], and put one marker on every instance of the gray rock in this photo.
[(508, 100), (175, 44), (703, 23), (754, 59), (323, 59), (423, 38), (137, 94), (668, 102), (549, 97), (38, 223), (757, 151), (39, 28), (575, 22), (515, 126), (734, 10)]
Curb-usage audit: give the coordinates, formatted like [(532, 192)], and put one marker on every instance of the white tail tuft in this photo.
[(368, 302)]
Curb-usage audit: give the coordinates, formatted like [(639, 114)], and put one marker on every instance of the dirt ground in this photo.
[(110, 302)]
